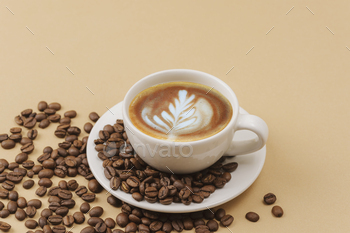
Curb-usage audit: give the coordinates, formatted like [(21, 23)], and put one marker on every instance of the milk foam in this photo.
[(188, 115)]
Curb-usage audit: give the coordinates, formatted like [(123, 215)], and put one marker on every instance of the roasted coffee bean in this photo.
[(68, 220), (184, 193), (212, 225), (54, 199), (60, 133), (28, 184), (32, 134), (53, 191), (46, 213), (20, 170), (70, 203), (55, 105), (96, 211), (198, 197), (198, 222), (53, 206), (31, 211), (4, 226), (70, 114), (4, 213), (134, 218), (88, 229), (3, 177), (230, 167), (188, 223), (8, 144), (73, 130), (131, 227), (167, 227), (19, 120), (3, 137), (219, 214), (45, 123), (85, 207), (35, 202), (89, 197), (1, 205), (46, 182), (177, 225), (208, 214), (42, 106), (21, 202), (110, 223), (65, 194), (30, 173), (60, 171), (151, 192), (94, 186), (59, 229), (17, 137), (65, 145), (21, 157), (151, 199), (156, 226), (178, 184), (137, 196), (252, 216), (94, 220), (133, 181), (16, 130), (219, 182), (104, 135), (63, 184), (12, 207), (26, 112), (65, 121), (88, 127), (113, 201), (9, 185), (45, 173), (226, 220), (202, 229), (40, 116), (166, 201), (42, 221), (12, 166), (163, 192), (100, 227), (277, 211), (55, 219), (13, 195), (79, 217), (62, 210), (29, 123), (115, 183), (125, 187), (25, 140), (226, 176), (94, 116), (41, 191), (126, 209), (31, 224), (270, 198), (20, 215), (122, 219), (109, 172)]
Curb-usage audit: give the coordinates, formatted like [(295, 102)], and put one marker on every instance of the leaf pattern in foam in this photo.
[(179, 117)]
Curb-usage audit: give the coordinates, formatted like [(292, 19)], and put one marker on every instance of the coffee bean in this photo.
[(9, 185), (68, 220), (4, 213), (32, 134), (96, 211), (4, 226), (137, 196), (79, 217), (1, 205), (53, 191), (226, 220), (42, 221), (88, 127), (20, 215), (212, 225), (94, 186), (12, 207), (54, 199), (94, 116), (28, 184), (219, 182), (40, 116), (35, 202), (53, 206), (26, 112), (46, 213), (25, 140), (55, 219), (270, 198), (45, 173), (94, 220), (41, 191), (55, 106), (70, 114), (188, 224), (60, 133), (202, 229), (46, 182), (65, 194), (252, 216), (151, 192), (130, 227), (19, 120), (59, 229), (167, 227), (70, 203), (54, 118), (29, 123), (100, 227), (31, 211), (3, 177), (3, 137), (177, 225), (89, 197), (45, 123), (122, 219), (17, 137), (42, 106), (21, 157), (219, 214), (156, 226), (230, 167), (73, 130), (88, 229), (85, 207), (277, 211), (110, 223), (21, 202), (31, 224), (65, 121), (8, 144), (12, 166), (113, 201)]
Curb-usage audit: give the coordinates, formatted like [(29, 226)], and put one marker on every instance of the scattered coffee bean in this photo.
[(31, 224), (29, 123), (42, 106), (94, 186), (46, 213), (44, 124), (88, 229), (270, 198), (88, 127), (22, 202), (85, 207), (252, 216), (41, 191), (113, 201), (212, 225), (4, 226), (110, 223), (4, 213), (12, 207), (226, 220), (56, 106), (32, 134), (89, 197), (96, 211), (8, 144), (70, 114), (230, 167), (94, 116), (13, 195), (59, 229), (277, 211), (20, 214), (35, 202), (122, 219), (219, 214), (31, 211), (79, 217), (94, 220), (55, 219), (68, 220)]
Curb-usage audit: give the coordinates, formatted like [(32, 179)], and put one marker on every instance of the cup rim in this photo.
[(229, 126)]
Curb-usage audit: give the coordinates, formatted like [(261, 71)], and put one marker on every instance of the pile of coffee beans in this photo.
[(122, 166), (129, 173)]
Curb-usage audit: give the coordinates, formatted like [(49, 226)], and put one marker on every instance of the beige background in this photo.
[(296, 78)]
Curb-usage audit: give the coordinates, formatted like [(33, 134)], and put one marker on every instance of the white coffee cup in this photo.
[(193, 156)]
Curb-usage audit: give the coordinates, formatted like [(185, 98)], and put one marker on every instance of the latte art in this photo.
[(180, 111), (185, 116)]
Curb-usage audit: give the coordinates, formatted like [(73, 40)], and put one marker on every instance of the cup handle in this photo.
[(254, 124)]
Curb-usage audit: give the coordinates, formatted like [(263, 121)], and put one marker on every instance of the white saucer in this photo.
[(249, 167)]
